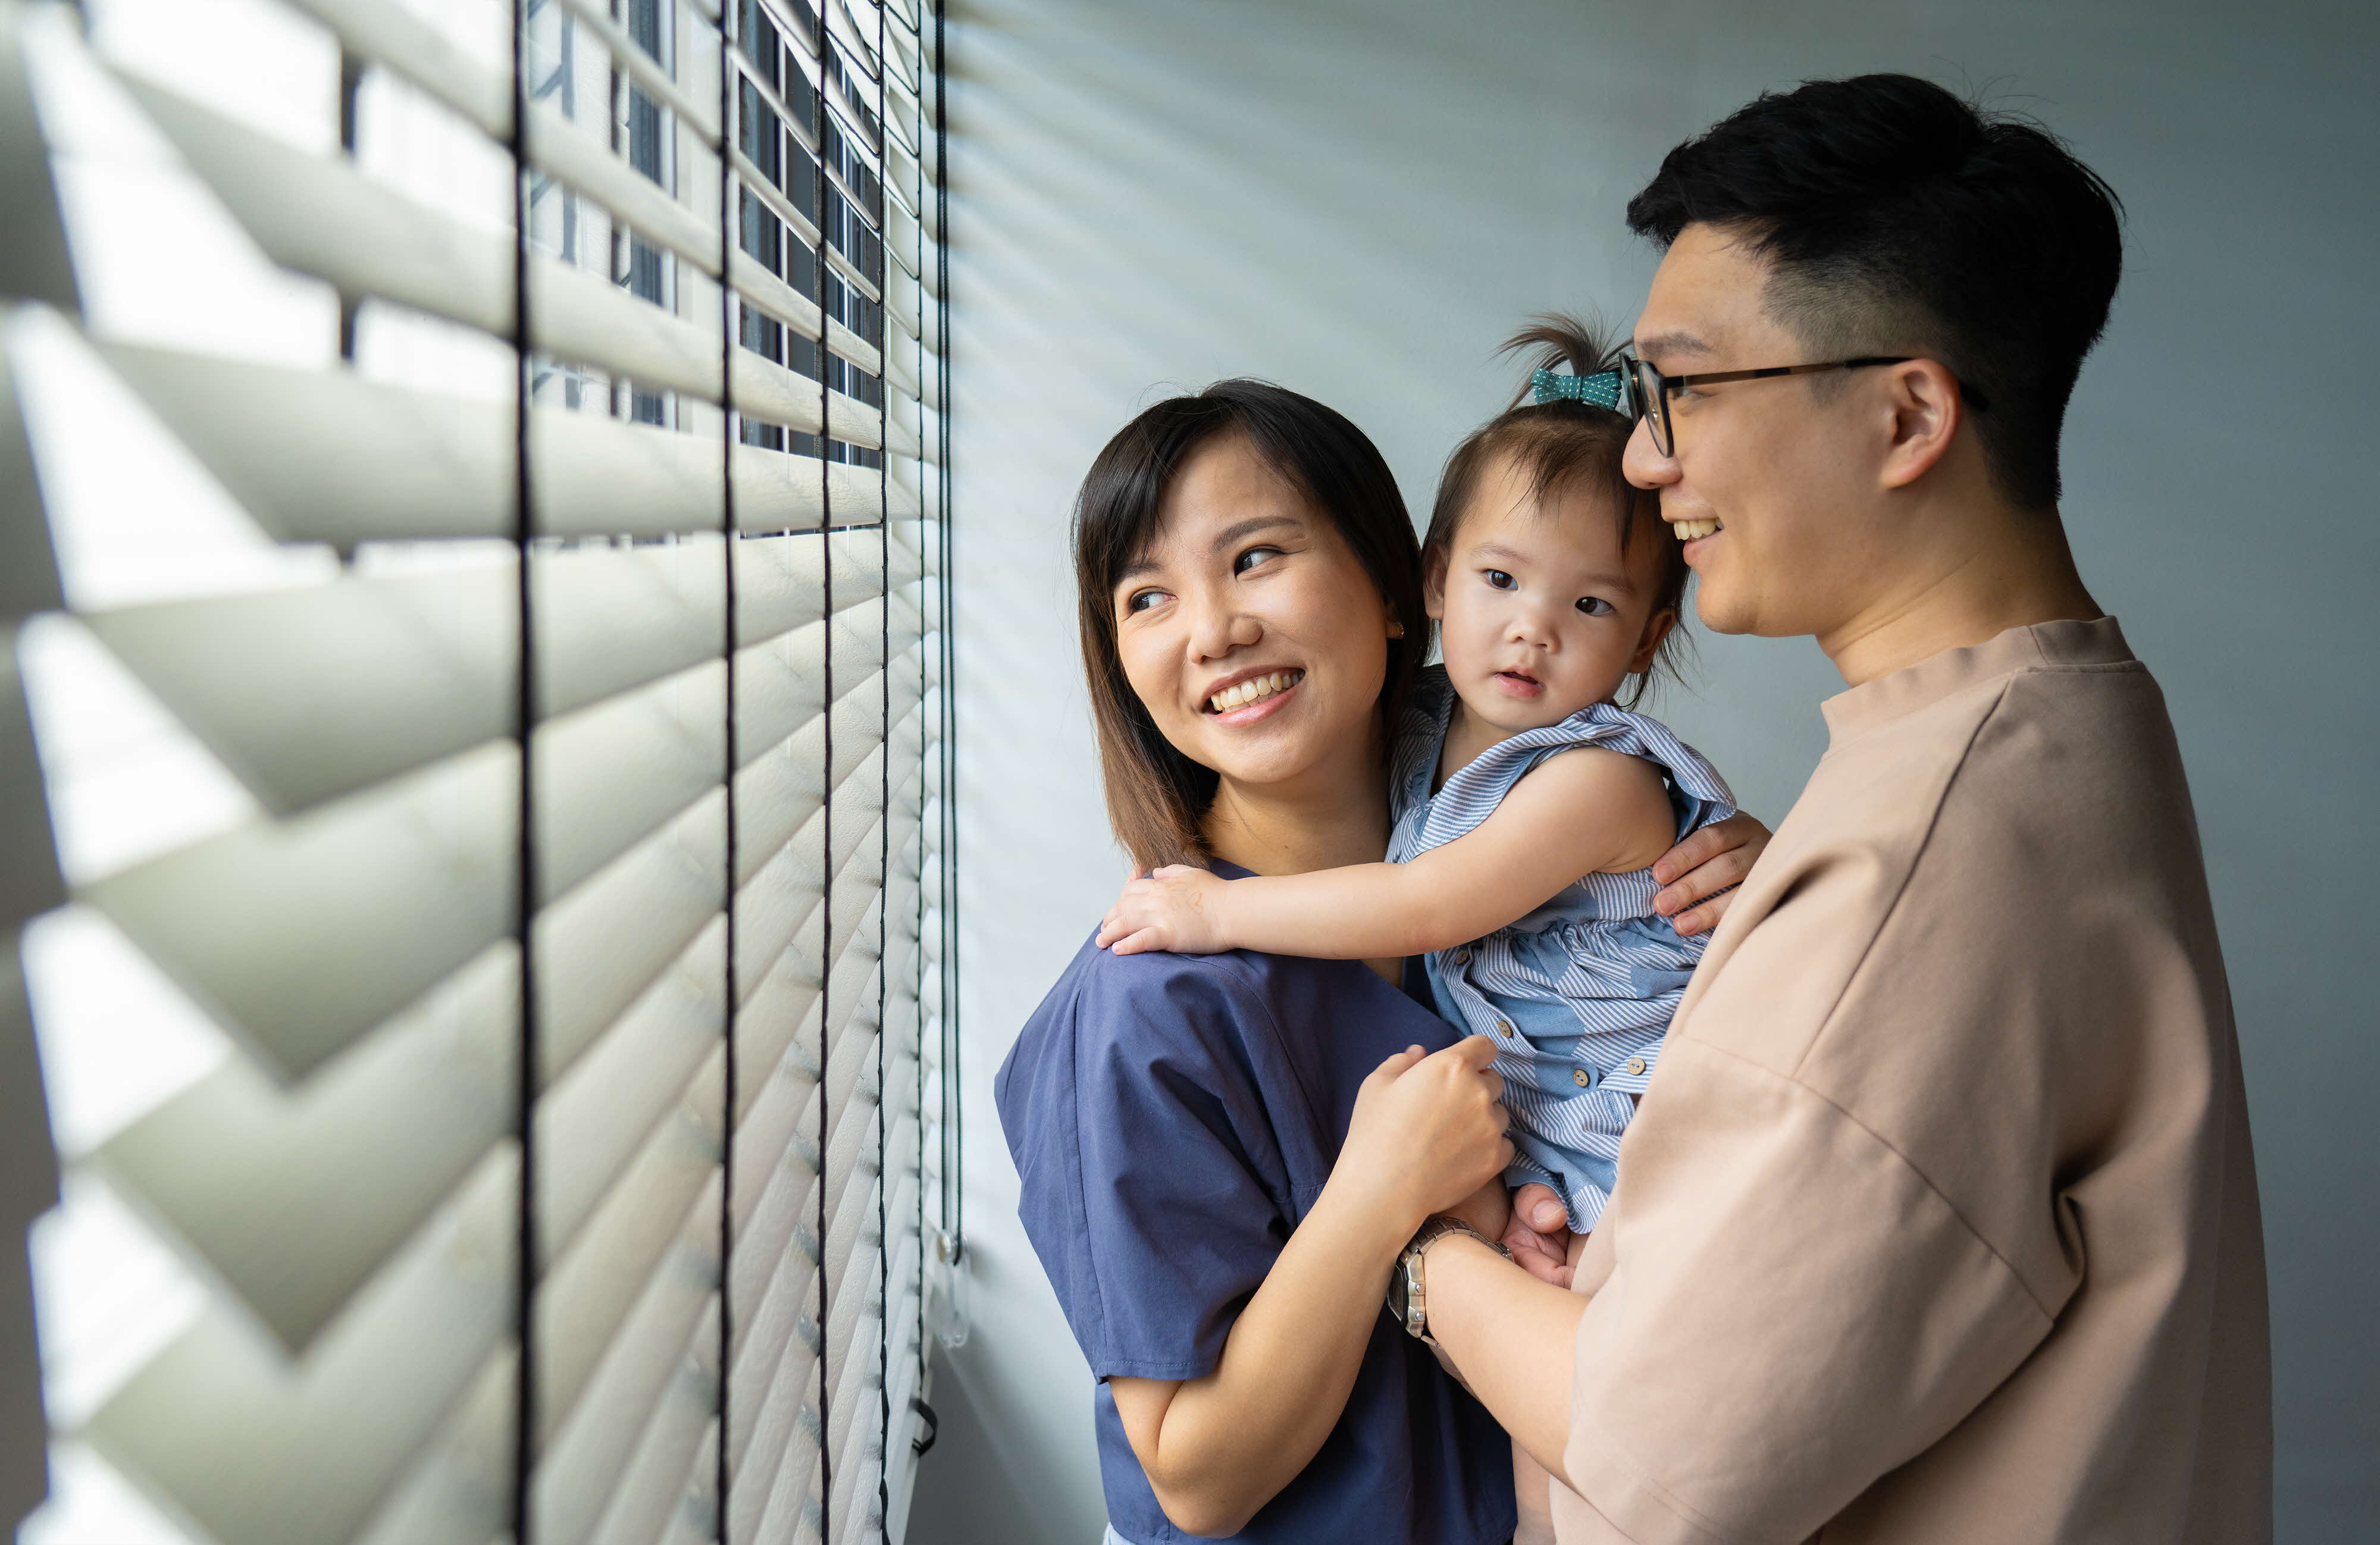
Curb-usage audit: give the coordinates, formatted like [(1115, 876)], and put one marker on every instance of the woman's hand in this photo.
[(1699, 876), (1428, 1131), (1173, 909)]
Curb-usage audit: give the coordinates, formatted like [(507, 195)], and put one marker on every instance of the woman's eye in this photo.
[(1252, 557), (1595, 606), (1141, 601), (1498, 578)]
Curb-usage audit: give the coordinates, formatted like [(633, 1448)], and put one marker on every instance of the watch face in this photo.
[(1397, 1295)]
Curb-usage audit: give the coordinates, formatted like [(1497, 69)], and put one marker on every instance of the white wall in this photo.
[(1359, 199)]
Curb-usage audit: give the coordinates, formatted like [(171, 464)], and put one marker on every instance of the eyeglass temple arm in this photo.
[(1974, 398)]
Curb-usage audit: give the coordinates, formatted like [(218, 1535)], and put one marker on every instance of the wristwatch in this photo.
[(1407, 1303)]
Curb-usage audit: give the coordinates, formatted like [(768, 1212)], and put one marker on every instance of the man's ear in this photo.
[(1926, 412), (1656, 628), (1433, 583)]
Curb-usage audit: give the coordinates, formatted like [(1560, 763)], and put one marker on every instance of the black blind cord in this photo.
[(730, 31), (525, 853), (884, 805), (826, 892)]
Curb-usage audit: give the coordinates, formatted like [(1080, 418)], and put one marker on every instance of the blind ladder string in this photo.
[(525, 856)]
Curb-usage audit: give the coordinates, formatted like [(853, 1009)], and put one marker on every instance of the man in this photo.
[(1938, 1222)]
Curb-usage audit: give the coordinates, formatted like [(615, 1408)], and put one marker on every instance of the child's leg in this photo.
[(1532, 1491)]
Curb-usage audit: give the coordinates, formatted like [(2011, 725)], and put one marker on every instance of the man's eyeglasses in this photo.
[(1649, 391)]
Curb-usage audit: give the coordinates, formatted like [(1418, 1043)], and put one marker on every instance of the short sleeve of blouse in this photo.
[(1153, 1189)]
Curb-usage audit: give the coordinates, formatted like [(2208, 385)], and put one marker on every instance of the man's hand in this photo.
[(1699, 876), (1173, 909)]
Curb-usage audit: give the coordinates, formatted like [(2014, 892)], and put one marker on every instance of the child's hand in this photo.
[(1171, 908), (1539, 1235)]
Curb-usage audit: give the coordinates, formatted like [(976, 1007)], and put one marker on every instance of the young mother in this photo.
[(1223, 1155)]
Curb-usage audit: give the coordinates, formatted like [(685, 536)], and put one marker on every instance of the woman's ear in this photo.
[(1433, 583), (1656, 628)]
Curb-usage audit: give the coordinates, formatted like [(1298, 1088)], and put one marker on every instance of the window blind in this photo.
[(473, 768)]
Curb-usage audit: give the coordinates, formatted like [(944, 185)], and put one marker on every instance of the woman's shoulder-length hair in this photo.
[(1156, 796)]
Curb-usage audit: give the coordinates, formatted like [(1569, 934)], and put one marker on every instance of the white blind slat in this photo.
[(34, 262)]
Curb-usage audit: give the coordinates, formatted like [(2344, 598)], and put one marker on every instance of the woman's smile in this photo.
[(1247, 696)]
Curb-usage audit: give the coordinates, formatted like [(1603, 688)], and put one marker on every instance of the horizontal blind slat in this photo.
[(35, 263), (314, 693), (323, 217), (265, 1452), (332, 457)]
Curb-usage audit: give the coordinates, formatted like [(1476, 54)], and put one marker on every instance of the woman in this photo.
[(1223, 1155)]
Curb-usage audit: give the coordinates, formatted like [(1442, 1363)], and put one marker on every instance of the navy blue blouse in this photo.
[(1173, 1118)]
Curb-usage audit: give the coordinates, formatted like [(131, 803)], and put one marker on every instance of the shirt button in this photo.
[(1503, 1027), (1462, 957), (1634, 1067), (1578, 1076)]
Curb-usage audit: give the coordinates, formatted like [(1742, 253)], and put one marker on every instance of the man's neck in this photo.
[(2015, 571), (1328, 823)]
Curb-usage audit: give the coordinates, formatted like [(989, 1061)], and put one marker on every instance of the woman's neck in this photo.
[(1332, 817)]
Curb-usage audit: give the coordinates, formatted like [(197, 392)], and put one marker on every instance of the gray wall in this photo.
[(1359, 199)]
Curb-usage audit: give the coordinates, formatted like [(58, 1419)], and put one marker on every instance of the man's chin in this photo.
[(1719, 612)]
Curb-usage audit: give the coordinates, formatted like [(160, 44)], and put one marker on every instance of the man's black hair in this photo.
[(1902, 219)]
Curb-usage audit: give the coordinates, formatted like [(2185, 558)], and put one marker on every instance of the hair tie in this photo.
[(1600, 390)]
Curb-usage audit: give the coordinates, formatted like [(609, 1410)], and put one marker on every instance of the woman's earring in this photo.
[(1396, 630)]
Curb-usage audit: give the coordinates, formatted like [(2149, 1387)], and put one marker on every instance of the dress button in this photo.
[(1578, 1076), (1634, 1067), (1462, 957), (1503, 1027)]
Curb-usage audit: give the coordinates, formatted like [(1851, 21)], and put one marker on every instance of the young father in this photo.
[(1938, 1222)]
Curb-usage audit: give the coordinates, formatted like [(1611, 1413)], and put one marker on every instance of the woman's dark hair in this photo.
[(1562, 445), (1156, 796), (1902, 219)]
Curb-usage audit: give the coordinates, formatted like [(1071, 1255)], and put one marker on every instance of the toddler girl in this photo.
[(1528, 804)]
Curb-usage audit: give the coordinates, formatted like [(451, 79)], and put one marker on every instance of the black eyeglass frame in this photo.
[(1651, 402)]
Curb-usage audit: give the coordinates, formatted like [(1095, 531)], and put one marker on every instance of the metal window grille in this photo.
[(474, 844)]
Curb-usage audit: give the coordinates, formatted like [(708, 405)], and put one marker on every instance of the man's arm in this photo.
[(1582, 812), (1509, 1336)]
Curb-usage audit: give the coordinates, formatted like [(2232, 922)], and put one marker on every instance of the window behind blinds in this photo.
[(472, 833)]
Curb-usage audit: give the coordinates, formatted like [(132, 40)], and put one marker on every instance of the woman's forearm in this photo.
[(1230, 1441), (1510, 1335)]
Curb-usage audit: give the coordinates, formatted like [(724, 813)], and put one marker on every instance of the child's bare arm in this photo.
[(1576, 813)]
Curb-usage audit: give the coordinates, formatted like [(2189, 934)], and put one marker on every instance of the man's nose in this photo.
[(1643, 462)]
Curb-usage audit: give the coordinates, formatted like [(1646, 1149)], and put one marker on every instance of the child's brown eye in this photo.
[(1499, 579), (1595, 606)]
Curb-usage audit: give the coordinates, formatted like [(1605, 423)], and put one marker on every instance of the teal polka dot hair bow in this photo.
[(1600, 390)]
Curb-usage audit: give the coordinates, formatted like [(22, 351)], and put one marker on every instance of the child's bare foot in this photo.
[(1539, 1236), (1486, 1210)]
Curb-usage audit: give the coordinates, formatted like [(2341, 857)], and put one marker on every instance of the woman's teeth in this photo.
[(1689, 530), (1254, 689)]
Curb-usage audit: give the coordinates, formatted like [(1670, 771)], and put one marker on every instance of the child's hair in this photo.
[(1562, 444)]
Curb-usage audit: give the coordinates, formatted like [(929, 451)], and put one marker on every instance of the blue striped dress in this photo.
[(1578, 995)]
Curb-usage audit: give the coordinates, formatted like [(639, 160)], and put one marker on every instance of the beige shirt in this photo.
[(1938, 1224)]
